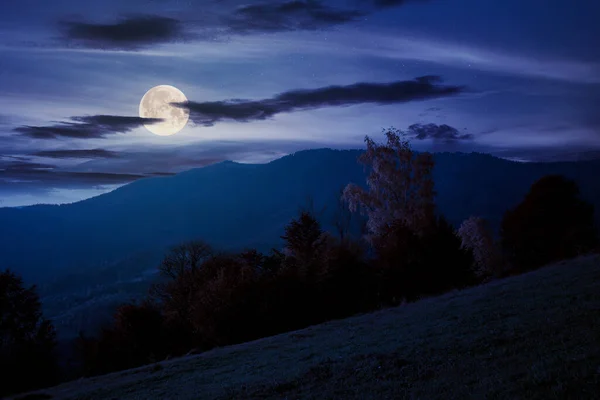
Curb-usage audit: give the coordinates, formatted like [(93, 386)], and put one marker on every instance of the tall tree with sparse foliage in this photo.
[(400, 186)]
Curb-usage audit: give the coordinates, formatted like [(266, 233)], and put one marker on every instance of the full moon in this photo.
[(156, 104)]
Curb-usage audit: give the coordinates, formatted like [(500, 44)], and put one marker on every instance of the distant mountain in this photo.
[(90, 256), (235, 205)]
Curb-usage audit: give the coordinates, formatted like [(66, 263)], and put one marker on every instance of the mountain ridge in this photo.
[(234, 205)]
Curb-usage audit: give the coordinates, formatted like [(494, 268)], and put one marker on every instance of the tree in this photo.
[(27, 339), (400, 186), (476, 236), (137, 337), (550, 224), (304, 240), (411, 265), (184, 258), (175, 296)]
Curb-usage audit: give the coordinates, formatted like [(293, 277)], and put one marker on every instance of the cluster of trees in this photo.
[(208, 298), (27, 340)]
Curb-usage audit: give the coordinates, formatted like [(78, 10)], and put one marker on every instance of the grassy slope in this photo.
[(530, 336)]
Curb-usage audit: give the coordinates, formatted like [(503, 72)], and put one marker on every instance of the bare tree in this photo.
[(185, 257)]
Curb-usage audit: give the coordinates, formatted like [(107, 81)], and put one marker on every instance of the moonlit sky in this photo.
[(519, 79)]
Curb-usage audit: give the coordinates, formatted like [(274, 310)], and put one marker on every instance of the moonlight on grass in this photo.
[(156, 103)]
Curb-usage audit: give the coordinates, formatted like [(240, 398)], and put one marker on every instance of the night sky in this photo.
[(519, 79)]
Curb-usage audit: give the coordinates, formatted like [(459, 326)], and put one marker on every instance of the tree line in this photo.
[(207, 298)]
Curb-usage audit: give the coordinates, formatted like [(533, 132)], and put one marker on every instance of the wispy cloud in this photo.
[(404, 47), (86, 127), (77, 153), (209, 113), (28, 175)]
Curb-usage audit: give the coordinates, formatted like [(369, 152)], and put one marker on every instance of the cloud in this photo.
[(128, 33), (286, 16), (90, 153), (209, 113), (86, 127), (23, 181), (142, 31), (393, 3), (24, 166), (437, 132), (34, 175), (450, 53)]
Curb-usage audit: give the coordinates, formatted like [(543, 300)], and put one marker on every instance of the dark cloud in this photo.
[(437, 132), (89, 153), (128, 33), (209, 113), (137, 32), (24, 166), (393, 3), (86, 127), (288, 15)]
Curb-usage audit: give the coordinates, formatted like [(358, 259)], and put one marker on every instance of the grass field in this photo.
[(534, 336)]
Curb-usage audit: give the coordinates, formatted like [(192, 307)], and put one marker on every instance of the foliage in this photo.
[(552, 223), (208, 299), (411, 266), (137, 337), (400, 186), (27, 340), (476, 236)]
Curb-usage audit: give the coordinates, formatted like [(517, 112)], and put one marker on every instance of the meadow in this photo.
[(531, 336)]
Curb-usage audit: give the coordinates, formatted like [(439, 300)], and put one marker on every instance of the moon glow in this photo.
[(156, 104)]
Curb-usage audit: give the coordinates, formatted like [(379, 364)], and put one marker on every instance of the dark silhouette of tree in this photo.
[(552, 223), (27, 340), (180, 268), (410, 265), (443, 263), (184, 258), (304, 242), (136, 337), (349, 284)]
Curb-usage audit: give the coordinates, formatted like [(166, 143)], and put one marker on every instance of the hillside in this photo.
[(533, 336), (90, 256), (234, 205)]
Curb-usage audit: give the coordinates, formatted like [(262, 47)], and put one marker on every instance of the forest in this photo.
[(406, 250)]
